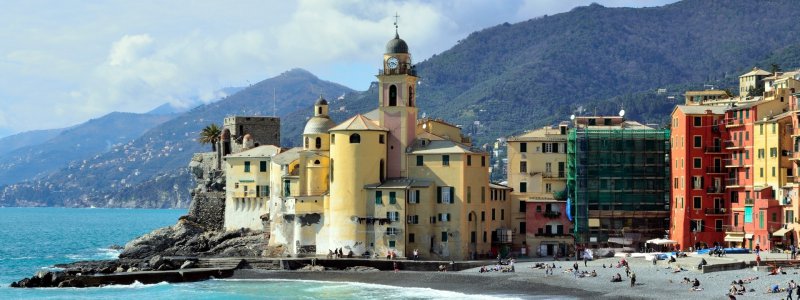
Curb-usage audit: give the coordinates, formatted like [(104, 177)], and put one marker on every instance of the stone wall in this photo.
[(264, 130), (208, 209)]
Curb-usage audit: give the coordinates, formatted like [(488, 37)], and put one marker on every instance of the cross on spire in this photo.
[(396, 17)]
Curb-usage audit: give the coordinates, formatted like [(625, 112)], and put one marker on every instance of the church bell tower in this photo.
[(397, 105)]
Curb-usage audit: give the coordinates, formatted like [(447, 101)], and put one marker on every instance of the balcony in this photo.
[(715, 170), (716, 211), (733, 163), (731, 228), (749, 201), (713, 149), (732, 183), (560, 174), (733, 122), (715, 190), (733, 145), (551, 214)]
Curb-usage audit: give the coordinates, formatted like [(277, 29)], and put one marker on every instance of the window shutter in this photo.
[(452, 194), (555, 147), (438, 194)]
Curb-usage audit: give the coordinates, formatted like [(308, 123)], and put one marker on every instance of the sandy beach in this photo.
[(653, 281)]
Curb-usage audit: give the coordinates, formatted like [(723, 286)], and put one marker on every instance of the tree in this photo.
[(210, 135)]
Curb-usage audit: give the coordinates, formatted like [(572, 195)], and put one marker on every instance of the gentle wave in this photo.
[(400, 292), (135, 285)]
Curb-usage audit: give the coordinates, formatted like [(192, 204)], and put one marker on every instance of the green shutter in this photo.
[(392, 198), (378, 196)]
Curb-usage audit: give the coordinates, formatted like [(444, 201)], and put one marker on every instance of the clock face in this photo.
[(392, 63)]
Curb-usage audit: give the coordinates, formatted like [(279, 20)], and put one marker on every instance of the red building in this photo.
[(699, 201), (547, 223)]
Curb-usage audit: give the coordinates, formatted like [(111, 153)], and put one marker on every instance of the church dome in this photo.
[(321, 101), (396, 45), (318, 125)]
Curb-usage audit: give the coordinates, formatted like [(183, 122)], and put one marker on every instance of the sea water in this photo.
[(37, 238)]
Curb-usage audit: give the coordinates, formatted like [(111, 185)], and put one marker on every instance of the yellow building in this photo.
[(248, 187), (537, 172), (751, 80), (385, 182)]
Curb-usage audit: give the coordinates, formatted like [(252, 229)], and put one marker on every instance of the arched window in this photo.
[(319, 110), (316, 162), (392, 95), (306, 142), (381, 170), (318, 142), (355, 138), (411, 96), (331, 172)]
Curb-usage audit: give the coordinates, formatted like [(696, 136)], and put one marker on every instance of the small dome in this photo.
[(396, 45), (318, 125), (321, 101), (248, 137)]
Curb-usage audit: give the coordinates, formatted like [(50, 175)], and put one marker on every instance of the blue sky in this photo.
[(64, 62)]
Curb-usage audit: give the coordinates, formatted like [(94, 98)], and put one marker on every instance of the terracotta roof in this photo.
[(358, 122)]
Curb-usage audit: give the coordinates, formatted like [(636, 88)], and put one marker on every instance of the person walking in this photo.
[(790, 289), (575, 266), (794, 252), (633, 279)]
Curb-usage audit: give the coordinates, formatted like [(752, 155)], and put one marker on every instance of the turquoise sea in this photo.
[(36, 238)]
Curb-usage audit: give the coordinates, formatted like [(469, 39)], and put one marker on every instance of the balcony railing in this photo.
[(713, 149), (715, 170), (715, 211), (729, 144), (732, 182), (749, 201), (733, 163), (715, 190), (733, 122), (551, 214), (731, 228)]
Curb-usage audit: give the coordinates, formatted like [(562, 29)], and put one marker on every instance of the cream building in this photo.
[(381, 182)]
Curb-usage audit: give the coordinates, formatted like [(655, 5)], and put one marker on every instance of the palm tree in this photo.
[(210, 135)]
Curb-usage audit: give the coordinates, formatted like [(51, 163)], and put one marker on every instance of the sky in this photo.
[(65, 62)]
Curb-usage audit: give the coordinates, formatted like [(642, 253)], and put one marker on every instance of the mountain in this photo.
[(28, 138), (79, 142), (150, 171), (170, 108), (508, 78)]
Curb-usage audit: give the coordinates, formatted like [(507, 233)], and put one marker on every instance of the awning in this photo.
[(734, 238), (782, 232), (748, 236)]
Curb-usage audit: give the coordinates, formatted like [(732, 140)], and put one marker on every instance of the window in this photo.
[(698, 202), (697, 182), (380, 139), (331, 170), (522, 206), (247, 167), (410, 237), (523, 147), (445, 194), (483, 161), (773, 152), (483, 194), (419, 160), (393, 216), (502, 214), (484, 236), (392, 231), (378, 197), (698, 141), (262, 166), (483, 218), (698, 121), (773, 171), (413, 219), (718, 225), (305, 143), (469, 160), (548, 188), (523, 187), (355, 138), (698, 163), (493, 216), (333, 138), (392, 198), (523, 166), (548, 167), (761, 172), (547, 147), (413, 196), (444, 236), (469, 194), (318, 142), (444, 217), (473, 237), (262, 191), (445, 160), (522, 228)]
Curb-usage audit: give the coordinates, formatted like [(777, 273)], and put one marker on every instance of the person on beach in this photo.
[(794, 252), (575, 266), (633, 279), (627, 271), (395, 267), (789, 289), (594, 274), (616, 278), (758, 260), (733, 289)]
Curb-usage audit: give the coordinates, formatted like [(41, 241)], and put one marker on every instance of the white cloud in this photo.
[(62, 69)]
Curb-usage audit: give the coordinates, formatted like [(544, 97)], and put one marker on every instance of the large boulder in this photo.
[(164, 241)]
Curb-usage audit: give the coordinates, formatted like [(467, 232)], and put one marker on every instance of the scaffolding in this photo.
[(618, 183)]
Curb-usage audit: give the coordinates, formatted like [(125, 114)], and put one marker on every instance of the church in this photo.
[(378, 183)]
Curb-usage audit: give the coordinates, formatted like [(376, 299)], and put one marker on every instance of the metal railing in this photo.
[(715, 211), (713, 149), (715, 189), (715, 169)]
